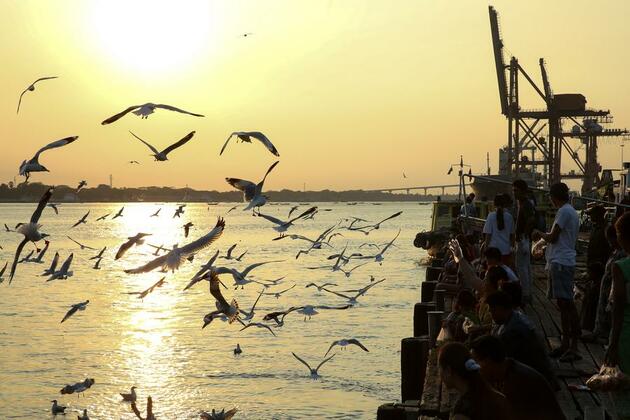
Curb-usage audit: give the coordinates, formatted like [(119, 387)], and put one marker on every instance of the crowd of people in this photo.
[(493, 356)]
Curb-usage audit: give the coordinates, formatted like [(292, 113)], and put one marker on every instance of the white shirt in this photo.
[(510, 273), (500, 238), (563, 250)]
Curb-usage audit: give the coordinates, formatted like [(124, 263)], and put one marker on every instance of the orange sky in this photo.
[(352, 93)]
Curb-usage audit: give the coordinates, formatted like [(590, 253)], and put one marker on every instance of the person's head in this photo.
[(499, 200), (489, 352), (559, 194), (597, 214), (611, 237), (493, 256), (520, 189), (500, 305), (465, 301), (622, 225), (595, 271), (471, 196), (469, 200), (495, 276), (457, 366), (515, 291)]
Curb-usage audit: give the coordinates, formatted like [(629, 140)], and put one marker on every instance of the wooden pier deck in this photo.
[(436, 400)]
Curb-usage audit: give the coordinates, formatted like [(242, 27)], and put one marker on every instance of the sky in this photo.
[(353, 93)]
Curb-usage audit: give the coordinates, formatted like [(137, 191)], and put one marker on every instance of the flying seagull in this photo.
[(359, 292), (97, 264), (246, 137), (53, 265), (99, 255), (78, 387), (250, 314), (258, 325), (311, 310), (30, 230), (230, 310), (119, 214), (64, 272), (82, 184), (132, 240), (252, 192), (162, 156), (5, 269), (281, 225), (105, 216), (134, 162), (179, 210), (175, 257), (33, 164), (157, 212), (31, 88), (346, 342), (144, 293), (74, 308), (278, 294), (320, 287), (187, 227), (313, 372), (40, 256), (81, 245), (81, 220), (143, 111)]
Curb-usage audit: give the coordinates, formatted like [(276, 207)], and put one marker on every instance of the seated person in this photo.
[(464, 307), (516, 294), (493, 258), (518, 335), (526, 390)]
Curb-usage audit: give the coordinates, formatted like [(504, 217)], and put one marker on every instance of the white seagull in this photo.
[(252, 192), (247, 316), (246, 137), (313, 372), (33, 164), (64, 272), (31, 88), (359, 292), (281, 225), (162, 156), (143, 111), (81, 245), (230, 310), (346, 342), (320, 287)]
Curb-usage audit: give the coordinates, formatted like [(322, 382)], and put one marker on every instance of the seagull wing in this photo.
[(153, 149), (303, 214), (248, 187), (357, 343), (20, 100), (337, 293), (124, 248), (272, 219), (54, 263), (150, 266), (66, 264), (42, 205), (118, 116), (333, 307), (264, 140), (228, 254), (390, 217), (172, 108), (226, 142), (261, 183), (71, 312), (181, 142), (17, 256), (45, 78), (386, 247), (247, 270), (301, 360), (55, 144), (215, 290), (324, 361), (204, 241), (334, 343), (5, 269)]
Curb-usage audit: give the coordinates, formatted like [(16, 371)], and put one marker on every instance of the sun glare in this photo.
[(154, 36)]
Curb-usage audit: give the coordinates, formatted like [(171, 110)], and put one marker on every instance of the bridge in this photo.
[(424, 188)]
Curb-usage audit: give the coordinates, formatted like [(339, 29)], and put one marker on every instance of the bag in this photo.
[(608, 379)]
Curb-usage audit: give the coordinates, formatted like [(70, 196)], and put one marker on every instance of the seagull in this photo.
[(82, 184), (258, 325), (149, 415), (379, 257), (240, 277), (230, 310), (74, 308), (5, 269), (134, 162), (119, 214), (41, 254), (157, 212), (54, 206), (143, 111), (187, 227), (346, 342), (79, 387), (131, 397), (179, 210), (132, 240), (174, 258), (103, 217), (320, 287), (30, 230), (228, 254), (84, 416), (375, 226), (81, 220), (53, 265), (204, 268), (247, 316), (349, 272), (246, 34), (99, 255), (144, 293), (57, 409), (97, 264), (314, 374), (246, 137), (281, 225), (230, 209), (294, 208), (252, 192), (33, 164), (63, 272), (7, 228), (216, 415), (81, 245), (158, 249), (310, 310), (278, 294), (27, 258), (359, 292), (162, 156), (31, 88), (279, 316), (237, 349)]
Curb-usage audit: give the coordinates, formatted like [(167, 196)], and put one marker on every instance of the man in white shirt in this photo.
[(499, 230), (561, 269)]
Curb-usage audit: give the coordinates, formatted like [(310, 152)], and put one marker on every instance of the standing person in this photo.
[(561, 269), (477, 400), (598, 250), (499, 230), (468, 208), (525, 223)]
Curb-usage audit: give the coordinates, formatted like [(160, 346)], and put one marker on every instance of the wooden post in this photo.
[(438, 296), (414, 353), (437, 262), (426, 291), (421, 319), (433, 273), (435, 325), (391, 412)]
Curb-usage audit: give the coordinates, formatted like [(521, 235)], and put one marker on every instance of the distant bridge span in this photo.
[(424, 188)]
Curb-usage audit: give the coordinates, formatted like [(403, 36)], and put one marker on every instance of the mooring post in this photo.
[(435, 325), (421, 319), (433, 273), (426, 290), (391, 412), (414, 353), (439, 296)]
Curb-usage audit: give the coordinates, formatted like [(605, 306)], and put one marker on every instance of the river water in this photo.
[(157, 343)]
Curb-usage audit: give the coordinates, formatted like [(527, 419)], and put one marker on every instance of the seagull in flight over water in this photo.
[(281, 225), (314, 372), (53, 265), (252, 192), (74, 308), (81, 245), (33, 164), (162, 156), (138, 239), (143, 111), (144, 293), (246, 137), (346, 342), (31, 88), (81, 220)]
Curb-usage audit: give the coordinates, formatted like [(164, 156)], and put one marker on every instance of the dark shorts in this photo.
[(561, 281)]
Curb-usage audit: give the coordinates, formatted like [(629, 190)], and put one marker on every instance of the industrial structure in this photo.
[(536, 138)]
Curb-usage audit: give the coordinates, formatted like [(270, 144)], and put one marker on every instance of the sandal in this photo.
[(557, 352), (570, 356)]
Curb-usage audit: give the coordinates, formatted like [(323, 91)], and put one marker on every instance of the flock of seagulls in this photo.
[(169, 260)]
